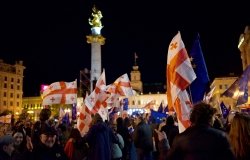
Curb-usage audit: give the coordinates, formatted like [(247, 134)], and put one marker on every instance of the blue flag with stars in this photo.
[(200, 84), (239, 89), (224, 110)]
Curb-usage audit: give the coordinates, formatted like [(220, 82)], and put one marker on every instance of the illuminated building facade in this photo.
[(11, 87), (244, 47), (221, 85)]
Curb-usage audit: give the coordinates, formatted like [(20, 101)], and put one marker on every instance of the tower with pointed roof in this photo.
[(135, 77)]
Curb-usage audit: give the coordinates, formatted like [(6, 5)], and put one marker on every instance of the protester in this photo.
[(201, 141), (117, 147), (6, 147), (143, 139), (239, 135), (47, 149), (170, 129), (19, 144), (75, 148), (100, 138)]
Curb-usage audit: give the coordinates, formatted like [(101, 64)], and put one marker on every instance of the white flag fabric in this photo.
[(98, 97), (60, 93), (84, 120), (180, 75)]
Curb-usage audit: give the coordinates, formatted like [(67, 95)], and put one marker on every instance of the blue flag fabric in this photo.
[(125, 104), (66, 119), (224, 110), (239, 89), (74, 112), (200, 84), (157, 116)]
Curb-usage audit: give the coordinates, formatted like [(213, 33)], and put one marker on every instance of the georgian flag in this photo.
[(60, 93), (180, 75)]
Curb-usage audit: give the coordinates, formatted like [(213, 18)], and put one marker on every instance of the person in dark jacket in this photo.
[(47, 149), (6, 147), (170, 129), (100, 139), (200, 141), (143, 139)]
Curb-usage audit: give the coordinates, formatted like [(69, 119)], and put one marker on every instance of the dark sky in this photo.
[(50, 36)]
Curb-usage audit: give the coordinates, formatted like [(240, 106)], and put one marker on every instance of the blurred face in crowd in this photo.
[(18, 136), (137, 120), (9, 148), (48, 140)]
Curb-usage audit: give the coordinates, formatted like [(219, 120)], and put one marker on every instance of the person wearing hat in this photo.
[(6, 147), (48, 149)]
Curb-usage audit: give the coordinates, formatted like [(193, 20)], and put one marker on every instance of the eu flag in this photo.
[(125, 104), (224, 110), (157, 115), (239, 89), (200, 84)]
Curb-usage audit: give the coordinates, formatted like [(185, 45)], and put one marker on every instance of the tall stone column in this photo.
[(96, 40)]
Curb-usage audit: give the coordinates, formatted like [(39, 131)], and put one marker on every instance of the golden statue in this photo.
[(97, 16)]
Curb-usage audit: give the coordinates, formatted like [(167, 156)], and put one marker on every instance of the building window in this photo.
[(139, 102), (5, 79), (4, 103), (12, 79), (133, 102), (226, 86), (11, 95), (11, 103), (220, 86), (18, 87), (5, 94), (5, 85), (18, 80), (17, 96), (17, 104), (11, 86)]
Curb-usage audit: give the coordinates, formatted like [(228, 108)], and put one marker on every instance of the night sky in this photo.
[(50, 37)]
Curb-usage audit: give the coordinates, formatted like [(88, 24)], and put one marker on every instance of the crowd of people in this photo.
[(132, 138)]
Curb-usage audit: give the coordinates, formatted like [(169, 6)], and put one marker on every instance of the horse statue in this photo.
[(97, 16)]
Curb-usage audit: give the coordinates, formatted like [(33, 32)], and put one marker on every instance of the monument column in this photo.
[(96, 40)]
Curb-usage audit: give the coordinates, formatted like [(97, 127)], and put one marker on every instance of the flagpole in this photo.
[(190, 95)]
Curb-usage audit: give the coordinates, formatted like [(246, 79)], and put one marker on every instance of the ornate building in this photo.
[(11, 87), (220, 85), (244, 47)]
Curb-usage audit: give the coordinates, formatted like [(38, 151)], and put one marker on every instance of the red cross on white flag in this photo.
[(84, 120), (180, 75), (60, 93)]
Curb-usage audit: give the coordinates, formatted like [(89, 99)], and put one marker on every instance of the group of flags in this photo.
[(187, 78), (97, 102), (187, 83)]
